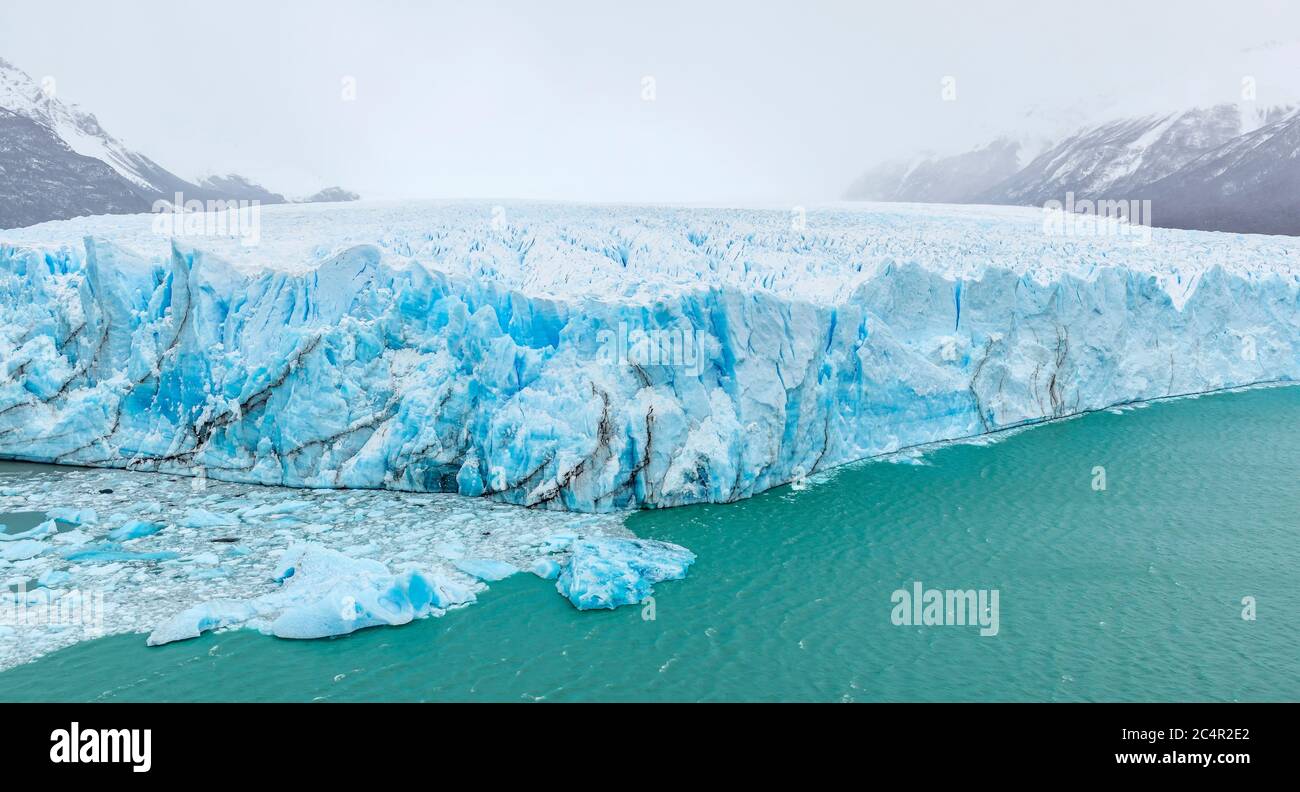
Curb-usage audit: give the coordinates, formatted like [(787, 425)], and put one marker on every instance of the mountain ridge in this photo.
[(47, 145), (1190, 164)]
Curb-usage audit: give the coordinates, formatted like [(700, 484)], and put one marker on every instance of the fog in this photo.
[(609, 101)]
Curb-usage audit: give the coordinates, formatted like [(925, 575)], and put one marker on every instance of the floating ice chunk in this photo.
[(323, 593), (74, 516), (207, 573), (545, 568), (486, 568), (103, 570), (202, 518), (54, 577), (609, 572), (275, 509), (361, 550), (135, 529), (74, 537), (327, 593), (193, 621), (559, 541), (352, 605), (22, 549), (111, 551), (450, 550)]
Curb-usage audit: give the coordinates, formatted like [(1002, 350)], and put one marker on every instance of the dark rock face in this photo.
[(233, 187), (1117, 160), (42, 179), (1250, 186), (332, 194)]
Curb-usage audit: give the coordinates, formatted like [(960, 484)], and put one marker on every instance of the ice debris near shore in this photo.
[(326, 593), (292, 563), (323, 593), (592, 358)]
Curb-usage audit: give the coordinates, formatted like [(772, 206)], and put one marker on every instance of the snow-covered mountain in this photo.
[(42, 178), (1119, 158), (1193, 164), (954, 179), (47, 148), (330, 195), (963, 177), (1250, 184), (21, 95), (234, 184)]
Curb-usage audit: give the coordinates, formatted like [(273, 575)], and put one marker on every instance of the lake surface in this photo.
[(1131, 592)]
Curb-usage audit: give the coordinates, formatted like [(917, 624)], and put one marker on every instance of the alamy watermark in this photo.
[(237, 218), (922, 607), (676, 347), (1088, 218), (75, 608), (93, 746)]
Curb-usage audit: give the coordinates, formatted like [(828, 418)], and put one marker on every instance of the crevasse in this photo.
[(598, 358)]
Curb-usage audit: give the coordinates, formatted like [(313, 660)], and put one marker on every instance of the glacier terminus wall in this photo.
[(598, 358)]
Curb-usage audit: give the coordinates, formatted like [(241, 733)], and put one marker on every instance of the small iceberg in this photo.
[(22, 549), (486, 568), (323, 593), (202, 518), (74, 516), (111, 551), (545, 568), (607, 573), (135, 529)]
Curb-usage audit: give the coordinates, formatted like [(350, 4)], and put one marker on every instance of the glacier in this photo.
[(599, 358)]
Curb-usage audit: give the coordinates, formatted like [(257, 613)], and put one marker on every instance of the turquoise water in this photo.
[(1131, 593)]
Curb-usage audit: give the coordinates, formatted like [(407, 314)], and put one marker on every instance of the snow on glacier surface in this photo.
[(594, 358)]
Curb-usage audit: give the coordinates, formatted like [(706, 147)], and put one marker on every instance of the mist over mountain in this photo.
[(1228, 167), (58, 162), (42, 178), (955, 179)]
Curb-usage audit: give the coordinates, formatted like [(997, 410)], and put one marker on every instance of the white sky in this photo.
[(755, 101)]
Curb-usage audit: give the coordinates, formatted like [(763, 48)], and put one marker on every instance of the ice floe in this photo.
[(323, 593), (173, 557), (609, 572)]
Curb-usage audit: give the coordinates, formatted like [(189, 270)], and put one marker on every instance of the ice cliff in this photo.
[(596, 358)]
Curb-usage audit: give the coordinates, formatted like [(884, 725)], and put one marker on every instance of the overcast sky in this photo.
[(755, 101)]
